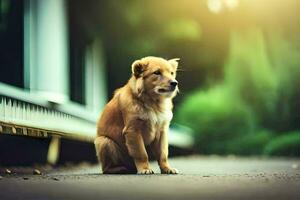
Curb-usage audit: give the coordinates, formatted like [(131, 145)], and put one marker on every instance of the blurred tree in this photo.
[(249, 74), (261, 74), (216, 118)]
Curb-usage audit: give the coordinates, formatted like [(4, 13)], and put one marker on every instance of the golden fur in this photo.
[(137, 119)]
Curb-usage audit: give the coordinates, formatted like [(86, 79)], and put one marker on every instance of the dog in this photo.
[(136, 120)]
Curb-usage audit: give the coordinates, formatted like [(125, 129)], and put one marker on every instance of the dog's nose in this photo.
[(173, 83)]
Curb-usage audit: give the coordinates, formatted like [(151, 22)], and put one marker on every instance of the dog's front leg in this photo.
[(137, 150), (160, 148)]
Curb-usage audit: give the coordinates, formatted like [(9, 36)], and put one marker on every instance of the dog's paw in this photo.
[(146, 171), (169, 171)]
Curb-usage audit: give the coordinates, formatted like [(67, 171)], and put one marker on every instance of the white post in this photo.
[(46, 49), (95, 87)]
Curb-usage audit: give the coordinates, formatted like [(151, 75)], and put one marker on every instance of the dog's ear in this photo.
[(138, 67), (174, 62)]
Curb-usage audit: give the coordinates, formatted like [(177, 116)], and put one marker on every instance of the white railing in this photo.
[(24, 114)]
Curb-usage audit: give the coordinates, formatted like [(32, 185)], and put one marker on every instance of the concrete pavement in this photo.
[(200, 178)]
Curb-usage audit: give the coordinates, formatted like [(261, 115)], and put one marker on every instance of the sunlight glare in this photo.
[(231, 4), (215, 6)]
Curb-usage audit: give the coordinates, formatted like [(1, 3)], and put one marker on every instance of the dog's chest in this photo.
[(155, 124), (158, 118)]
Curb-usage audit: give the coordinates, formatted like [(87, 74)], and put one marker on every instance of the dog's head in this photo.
[(156, 76)]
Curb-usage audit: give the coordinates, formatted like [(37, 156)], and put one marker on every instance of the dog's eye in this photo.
[(157, 72), (172, 73)]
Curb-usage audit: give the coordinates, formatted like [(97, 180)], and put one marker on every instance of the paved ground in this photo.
[(200, 178)]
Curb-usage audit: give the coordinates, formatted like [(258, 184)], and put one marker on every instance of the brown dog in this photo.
[(137, 118)]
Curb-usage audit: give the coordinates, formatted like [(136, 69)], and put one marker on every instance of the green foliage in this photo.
[(216, 119), (249, 74), (260, 91), (285, 55), (182, 29), (265, 80), (285, 145), (250, 144)]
